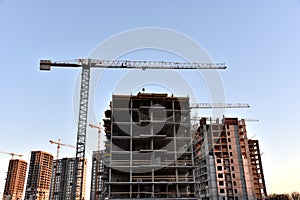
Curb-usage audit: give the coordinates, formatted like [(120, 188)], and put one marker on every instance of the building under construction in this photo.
[(39, 176), (15, 180), (99, 175), (257, 169), (148, 148), (62, 180), (228, 165)]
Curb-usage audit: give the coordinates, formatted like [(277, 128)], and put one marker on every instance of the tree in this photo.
[(279, 197), (295, 196)]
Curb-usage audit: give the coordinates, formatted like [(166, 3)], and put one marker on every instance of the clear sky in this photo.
[(258, 40)]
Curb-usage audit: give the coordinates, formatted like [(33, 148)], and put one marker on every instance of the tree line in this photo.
[(286, 196)]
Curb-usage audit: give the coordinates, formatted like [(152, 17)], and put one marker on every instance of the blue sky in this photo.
[(258, 40)]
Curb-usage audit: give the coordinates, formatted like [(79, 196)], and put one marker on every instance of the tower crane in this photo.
[(218, 105), (196, 118), (251, 120), (215, 106), (96, 197), (11, 153), (59, 144), (86, 64), (99, 134)]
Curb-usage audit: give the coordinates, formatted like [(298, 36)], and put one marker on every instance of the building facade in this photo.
[(39, 176), (149, 148), (15, 180), (224, 159), (62, 179)]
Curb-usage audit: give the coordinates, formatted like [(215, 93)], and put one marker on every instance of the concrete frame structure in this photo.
[(15, 180), (149, 148), (63, 174), (224, 161), (39, 176)]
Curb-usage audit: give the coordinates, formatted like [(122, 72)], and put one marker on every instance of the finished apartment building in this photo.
[(228, 164), (15, 180), (62, 179), (149, 148), (39, 176)]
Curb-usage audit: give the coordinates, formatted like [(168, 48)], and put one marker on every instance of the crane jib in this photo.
[(125, 64)]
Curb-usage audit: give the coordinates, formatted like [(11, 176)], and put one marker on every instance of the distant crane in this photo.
[(59, 144), (11, 153), (218, 105), (251, 120), (86, 65), (99, 127), (196, 118), (96, 197), (215, 106)]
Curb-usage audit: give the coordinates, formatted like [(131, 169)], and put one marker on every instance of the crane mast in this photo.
[(86, 64)]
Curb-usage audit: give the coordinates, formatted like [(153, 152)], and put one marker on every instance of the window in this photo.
[(219, 161), (230, 153), (220, 175), (229, 146), (221, 183), (216, 134), (222, 191), (233, 175), (235, 191), (229, 140), (231, 160), (219, 168), (232, 168), (234, 183)]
